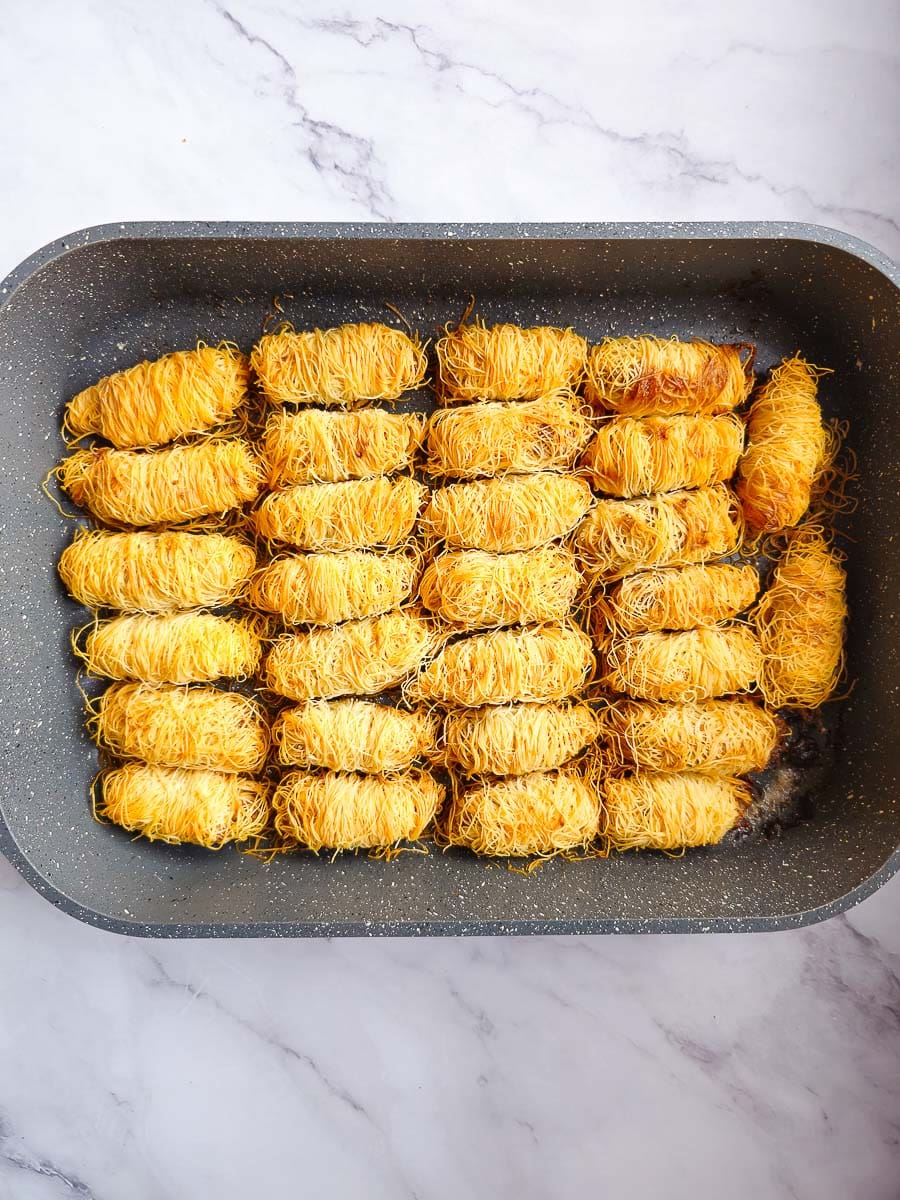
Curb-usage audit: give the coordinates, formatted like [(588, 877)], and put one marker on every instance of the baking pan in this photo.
[(103, 298)]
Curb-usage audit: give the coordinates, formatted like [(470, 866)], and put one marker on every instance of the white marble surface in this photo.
[(743, 1066)]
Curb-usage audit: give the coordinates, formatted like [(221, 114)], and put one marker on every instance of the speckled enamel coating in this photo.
[(102, 298)]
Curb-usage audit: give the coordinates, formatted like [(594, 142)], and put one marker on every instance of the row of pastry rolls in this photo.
[(674, 646), (339, 523), (790, 463), (667, 443), (189, 753), (511, 681)]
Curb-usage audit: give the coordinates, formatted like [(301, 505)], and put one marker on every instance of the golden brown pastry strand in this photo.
[(175, 726), (341, 367), (506, 362), (176, 805), (340, 811), (325, 589), (180, 647), (637, 457), (715, 737), (545, 813), (679, 597), (311, 446), (155, 572), (787, 447), (669, 811), (491, 439), (639, 376), (188, 391), (697, 664), (541, 663), (518, 512), (801, 620), (358, 658), (676, 528), (162, 487), (472, 589), (353, 735), (515, 739), (342, 516)]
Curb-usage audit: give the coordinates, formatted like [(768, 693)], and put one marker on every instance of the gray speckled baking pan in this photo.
[(103, 298)]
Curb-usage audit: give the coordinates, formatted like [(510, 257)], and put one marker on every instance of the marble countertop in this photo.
[(681, 1067)]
